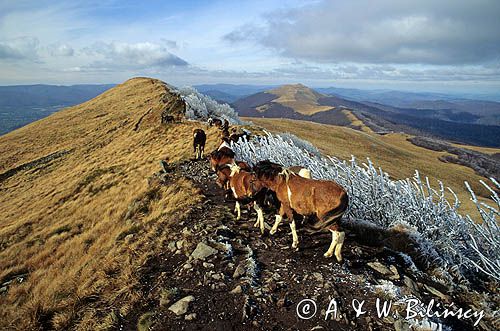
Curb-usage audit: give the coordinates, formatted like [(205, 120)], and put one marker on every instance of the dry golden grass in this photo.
[(392, 152), (300, 98), (485, 150), (65, 224), (355, 121)]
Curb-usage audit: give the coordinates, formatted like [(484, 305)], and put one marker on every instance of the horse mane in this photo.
[(267, 169), (218, 154), (287, 173)]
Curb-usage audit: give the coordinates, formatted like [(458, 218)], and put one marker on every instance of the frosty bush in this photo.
[(302, 144), (201, 107), (461, 243)]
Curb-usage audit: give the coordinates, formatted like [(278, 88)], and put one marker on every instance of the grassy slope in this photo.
[(64, 224), (300, 98), (392, 152)]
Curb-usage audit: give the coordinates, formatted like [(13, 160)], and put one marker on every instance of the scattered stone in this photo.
[(203, 251), (217, 276), (3, 289), (188, 266), (410, 284), (236, 290), (437, 293), (171, 246), (208, 265), (395, 274), (180, 243), (167, 295), (190, 317), (318, 277), (239, 271), (181, 306), (380, 268)]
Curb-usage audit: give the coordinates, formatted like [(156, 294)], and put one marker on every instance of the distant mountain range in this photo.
[(446, 116), (23, 104), (461, 120), (49, 95)]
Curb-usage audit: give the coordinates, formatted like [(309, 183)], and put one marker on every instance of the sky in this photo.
[(442, 46)]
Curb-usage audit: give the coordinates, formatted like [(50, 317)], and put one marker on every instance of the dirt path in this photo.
[(240, 280)]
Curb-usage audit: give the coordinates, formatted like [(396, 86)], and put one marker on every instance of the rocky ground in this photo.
[(221, 274)]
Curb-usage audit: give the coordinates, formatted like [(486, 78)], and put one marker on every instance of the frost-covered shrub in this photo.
[(202, 107), (302, 144), (460, 242)]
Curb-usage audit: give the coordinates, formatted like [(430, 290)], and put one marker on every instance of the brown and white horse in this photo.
[(245, 188), (199, 139), (326, 200)]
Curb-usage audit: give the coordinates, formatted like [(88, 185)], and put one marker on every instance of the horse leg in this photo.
[(336, 244), (202, 152), (295, 237), (237, 210), (279, 218), (260, 217), (286, 210)]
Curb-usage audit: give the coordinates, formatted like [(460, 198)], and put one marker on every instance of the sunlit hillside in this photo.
[(71, 238), (300, 98)]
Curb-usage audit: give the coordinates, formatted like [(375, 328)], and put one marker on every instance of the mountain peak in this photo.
[(299, 97)]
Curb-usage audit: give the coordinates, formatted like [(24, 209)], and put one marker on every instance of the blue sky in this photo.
[(446, 45)]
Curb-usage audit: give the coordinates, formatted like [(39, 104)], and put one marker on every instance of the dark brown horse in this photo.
[(326, 200), (245, 188), (214, 122), (199, 139)]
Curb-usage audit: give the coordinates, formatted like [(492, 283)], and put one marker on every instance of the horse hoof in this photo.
[(328, 254), (272, 232)]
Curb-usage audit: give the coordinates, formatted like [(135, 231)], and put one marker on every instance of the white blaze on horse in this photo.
[(326, 200), (199, 139)]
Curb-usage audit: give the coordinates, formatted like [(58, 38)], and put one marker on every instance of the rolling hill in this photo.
[(465, 123), (291, 101)]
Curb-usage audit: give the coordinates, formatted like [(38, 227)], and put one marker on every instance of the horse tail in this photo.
[(332, 217)]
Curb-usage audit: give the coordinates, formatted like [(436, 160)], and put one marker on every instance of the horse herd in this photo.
[(287, 190)]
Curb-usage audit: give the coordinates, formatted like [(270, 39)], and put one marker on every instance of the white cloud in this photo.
[(132, 55), (19, 48), (60, 50), (386, 31)]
